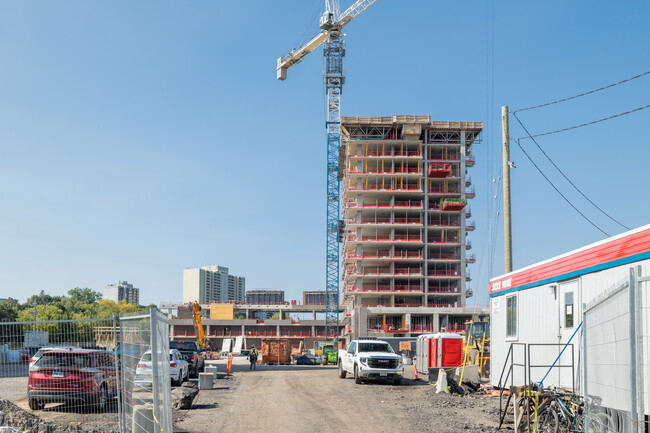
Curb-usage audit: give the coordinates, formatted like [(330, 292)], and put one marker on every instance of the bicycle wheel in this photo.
[(601, 423), (548, 421)]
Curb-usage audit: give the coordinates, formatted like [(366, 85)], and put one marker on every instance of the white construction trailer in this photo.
[(580, 321)]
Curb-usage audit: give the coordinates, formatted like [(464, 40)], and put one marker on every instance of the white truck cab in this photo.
[(370, 359)]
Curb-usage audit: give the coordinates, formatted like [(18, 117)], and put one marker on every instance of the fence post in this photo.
[(585, 360), (155, 362), (637, 340), (634, 397), (119, 368)]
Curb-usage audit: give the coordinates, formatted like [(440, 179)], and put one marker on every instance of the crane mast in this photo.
[(334, 79), (331, 25)]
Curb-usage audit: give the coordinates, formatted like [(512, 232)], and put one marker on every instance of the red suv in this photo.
[(78, 376)]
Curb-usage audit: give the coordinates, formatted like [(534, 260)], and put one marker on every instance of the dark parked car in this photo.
[(81, 376), (192, 354)]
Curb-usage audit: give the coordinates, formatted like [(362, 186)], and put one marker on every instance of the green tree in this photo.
[(85, 295), (9, 310)]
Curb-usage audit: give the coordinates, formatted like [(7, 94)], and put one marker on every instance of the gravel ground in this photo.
[(13, 388), (24, 420), (314, 399)]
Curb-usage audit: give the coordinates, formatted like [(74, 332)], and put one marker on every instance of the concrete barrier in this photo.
[(212, 369), (143, 421), (206, 380)]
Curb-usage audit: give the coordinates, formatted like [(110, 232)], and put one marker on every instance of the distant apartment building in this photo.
[(122, 291), (265, 296), (314, 297), (212, 283)]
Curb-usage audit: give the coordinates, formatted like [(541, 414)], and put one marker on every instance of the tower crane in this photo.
[(331, 26)]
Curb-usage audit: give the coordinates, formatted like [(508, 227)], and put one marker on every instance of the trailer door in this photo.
[(568, 300)]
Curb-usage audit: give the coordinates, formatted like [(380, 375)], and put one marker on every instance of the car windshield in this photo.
[(375, 347), (146, 357), (70, 360), (182, 345)]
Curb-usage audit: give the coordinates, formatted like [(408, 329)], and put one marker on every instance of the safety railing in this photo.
[(385, 238), (375, 171), (386, 187), (443, 273), (440, 223), (385, 255), (443, 256), (387, 154), (408, 204), (445, 240), (444, 289), (443, 157), (441, 190), (410, 221)]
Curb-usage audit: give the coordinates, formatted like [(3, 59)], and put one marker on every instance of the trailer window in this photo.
[(511, 316), (568, 310)]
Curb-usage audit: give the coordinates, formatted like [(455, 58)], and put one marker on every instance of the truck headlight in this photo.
[(364, 360)]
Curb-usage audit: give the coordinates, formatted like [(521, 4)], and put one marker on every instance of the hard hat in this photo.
[(253, 345)]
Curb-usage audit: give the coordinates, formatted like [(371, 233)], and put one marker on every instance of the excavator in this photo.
[(198, 326)]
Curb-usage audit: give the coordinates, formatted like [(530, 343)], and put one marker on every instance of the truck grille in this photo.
[(382, 362)]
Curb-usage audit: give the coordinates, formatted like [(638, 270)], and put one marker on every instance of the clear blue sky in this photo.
[(140, 138)]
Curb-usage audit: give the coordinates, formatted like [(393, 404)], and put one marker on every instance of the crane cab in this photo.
[(327, 21)]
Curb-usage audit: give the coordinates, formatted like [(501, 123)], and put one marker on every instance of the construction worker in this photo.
[(252, 356)]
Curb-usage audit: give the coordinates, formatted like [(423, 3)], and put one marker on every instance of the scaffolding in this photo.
[(404, 195)]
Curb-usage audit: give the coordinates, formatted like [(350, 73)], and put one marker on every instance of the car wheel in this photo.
[(102, 399), (35, 404), (357, 378), (342, 373), (179, 381)]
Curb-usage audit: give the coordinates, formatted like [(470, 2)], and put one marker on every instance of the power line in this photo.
[(583, 94), (584, 124), (565, 176), (558, 191)]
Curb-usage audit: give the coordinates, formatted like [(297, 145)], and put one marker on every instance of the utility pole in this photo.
[(507, 220)]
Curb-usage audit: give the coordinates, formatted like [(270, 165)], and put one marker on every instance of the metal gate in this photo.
[(613, 373), (145, 405)]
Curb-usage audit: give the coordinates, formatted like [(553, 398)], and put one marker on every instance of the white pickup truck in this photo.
[(370, 359)]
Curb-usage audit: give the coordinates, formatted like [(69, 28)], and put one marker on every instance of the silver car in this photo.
[(179, 369)]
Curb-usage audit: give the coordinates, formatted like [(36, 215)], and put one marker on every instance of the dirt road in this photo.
[(314, 399)]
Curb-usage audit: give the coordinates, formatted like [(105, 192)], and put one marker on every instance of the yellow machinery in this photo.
[(477, 345), (198, 326)]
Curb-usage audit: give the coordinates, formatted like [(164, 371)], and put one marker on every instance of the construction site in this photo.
[(397, 334)]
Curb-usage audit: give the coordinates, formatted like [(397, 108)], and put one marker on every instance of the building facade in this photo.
[(212, 283), (265, 296), (315, 297), (405, 249), (122, 291)]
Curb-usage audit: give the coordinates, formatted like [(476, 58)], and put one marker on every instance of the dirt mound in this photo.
[(23, 420)]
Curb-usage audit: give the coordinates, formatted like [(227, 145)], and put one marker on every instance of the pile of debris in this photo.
[(15, 419)]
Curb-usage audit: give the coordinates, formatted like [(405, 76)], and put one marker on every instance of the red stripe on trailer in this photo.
[(592, 256)]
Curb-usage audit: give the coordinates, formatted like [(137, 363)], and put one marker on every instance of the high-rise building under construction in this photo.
[(405, 249)]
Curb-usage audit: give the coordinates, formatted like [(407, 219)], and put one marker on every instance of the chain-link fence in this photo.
[(612, 359), (68, 365), (144, 358)]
